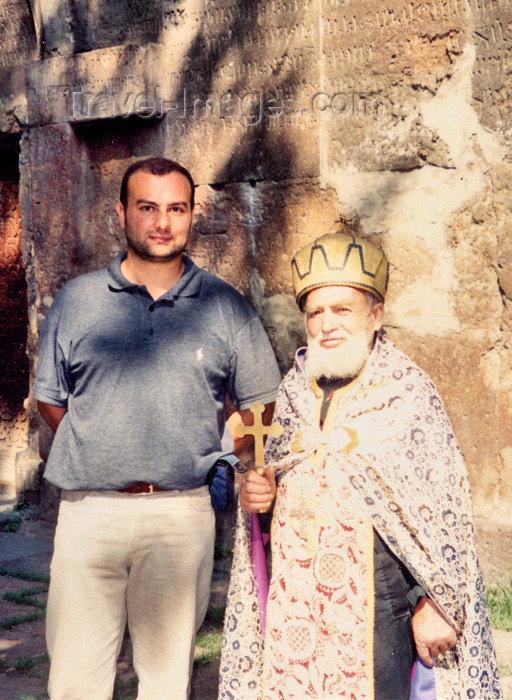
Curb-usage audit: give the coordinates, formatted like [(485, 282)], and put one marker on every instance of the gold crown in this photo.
[(340, 259)]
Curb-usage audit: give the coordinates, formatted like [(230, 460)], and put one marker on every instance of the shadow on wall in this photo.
[(98, 151), (68, 27)]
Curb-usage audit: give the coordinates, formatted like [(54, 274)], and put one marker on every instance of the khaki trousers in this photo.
[(145, 559)]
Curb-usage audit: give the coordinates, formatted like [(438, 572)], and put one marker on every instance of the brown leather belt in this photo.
[(141, 487)]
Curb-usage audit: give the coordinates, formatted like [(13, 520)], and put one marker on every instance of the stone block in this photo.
[(282, 320), (18, 47), (466, 378), (250, 132), (494, 550), (379, 62), (290, 215), (70, 27), (221, 233), (492, 81), (18, 34), (13, 99)]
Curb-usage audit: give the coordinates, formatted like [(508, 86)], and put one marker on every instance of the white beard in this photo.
[(344, 361)]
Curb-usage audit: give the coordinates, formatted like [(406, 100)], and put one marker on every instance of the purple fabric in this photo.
[(259, 566), (423, 682)]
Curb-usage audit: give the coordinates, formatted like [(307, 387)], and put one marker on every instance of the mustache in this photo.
[(342, 362)]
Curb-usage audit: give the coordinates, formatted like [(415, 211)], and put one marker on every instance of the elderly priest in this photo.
[(374, 590)]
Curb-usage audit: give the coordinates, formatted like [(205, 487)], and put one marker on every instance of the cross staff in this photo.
[(259, 431)]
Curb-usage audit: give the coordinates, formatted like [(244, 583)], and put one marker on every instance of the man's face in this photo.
[(341, 329), (157, 219)]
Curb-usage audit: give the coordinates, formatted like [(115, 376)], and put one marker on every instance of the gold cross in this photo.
[(303, 513), (259, 431)]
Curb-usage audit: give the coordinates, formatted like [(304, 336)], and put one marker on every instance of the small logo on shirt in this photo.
[(199, 354)]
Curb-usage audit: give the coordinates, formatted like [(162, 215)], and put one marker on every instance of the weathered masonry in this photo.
[(296, 118)]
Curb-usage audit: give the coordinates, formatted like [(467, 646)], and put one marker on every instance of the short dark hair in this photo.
[(155, 166)]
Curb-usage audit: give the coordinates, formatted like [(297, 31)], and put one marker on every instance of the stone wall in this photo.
[(295, 118), (13, 335)]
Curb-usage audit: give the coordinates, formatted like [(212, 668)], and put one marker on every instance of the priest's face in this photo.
[(341, 325)]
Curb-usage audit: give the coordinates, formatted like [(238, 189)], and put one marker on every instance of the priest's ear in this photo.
[(377, 315)]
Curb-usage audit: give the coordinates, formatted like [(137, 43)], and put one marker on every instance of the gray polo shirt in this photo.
[(144, 381)]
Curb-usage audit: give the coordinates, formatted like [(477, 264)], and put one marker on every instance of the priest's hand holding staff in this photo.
[(257, 491), (258, 488)]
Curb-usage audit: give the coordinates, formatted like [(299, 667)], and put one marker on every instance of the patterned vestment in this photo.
[(316, 632), (386, 456)]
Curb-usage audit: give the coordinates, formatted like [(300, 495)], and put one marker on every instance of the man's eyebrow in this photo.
[(155, 204)]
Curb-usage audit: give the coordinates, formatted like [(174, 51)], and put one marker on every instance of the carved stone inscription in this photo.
[(73, 27), (17, 35), (379, 62), (241, 76), (492, 76), (262, 43), (373, 46), (222, 59)]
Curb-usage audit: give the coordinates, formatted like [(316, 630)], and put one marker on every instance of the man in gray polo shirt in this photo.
[(135, 363)]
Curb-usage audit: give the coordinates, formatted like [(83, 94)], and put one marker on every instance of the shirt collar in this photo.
[(188, 284)]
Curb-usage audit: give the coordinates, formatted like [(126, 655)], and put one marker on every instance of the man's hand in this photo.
[(432, 632), (257, 492)]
